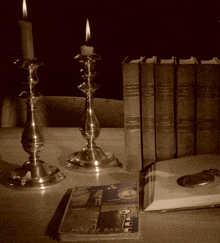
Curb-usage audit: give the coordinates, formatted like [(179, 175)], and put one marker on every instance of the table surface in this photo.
[(34, 216)]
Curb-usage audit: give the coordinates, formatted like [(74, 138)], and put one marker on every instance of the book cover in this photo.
[(148, 109), (208, 77), (162, 192), (132, 126), (186, 106), (164, 110), (101, 212)]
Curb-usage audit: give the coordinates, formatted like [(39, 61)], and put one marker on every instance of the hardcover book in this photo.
[(208, 78), (162, 191), (101, 213), (186, 106), (164, 110), (148, 109), (132, 126)]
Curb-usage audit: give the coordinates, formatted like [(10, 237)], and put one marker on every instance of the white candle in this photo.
[(87, 50), (26, 35)]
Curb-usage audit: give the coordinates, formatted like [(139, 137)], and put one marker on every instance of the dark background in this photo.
[(119, 28)]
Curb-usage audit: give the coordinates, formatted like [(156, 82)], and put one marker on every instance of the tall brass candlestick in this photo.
[(91, 158), (34, 174)]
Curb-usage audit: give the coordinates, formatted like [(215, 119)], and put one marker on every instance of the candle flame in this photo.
[(24, 8), (88, 35)]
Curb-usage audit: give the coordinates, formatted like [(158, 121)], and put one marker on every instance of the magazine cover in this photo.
[(109, 211)]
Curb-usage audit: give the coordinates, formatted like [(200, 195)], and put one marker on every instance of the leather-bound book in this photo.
[(164, 110), (186, 106), (208, 77), (148, 109), (132, 127)]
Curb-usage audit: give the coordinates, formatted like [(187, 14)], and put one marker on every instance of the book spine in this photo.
[(185, 113), (132, 129), (164, 94), (147, 113), (207, 108)]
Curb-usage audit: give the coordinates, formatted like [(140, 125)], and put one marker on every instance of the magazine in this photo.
[(101, 212)]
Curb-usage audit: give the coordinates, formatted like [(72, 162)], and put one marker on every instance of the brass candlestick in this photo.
[(34, 174), (91, 158)]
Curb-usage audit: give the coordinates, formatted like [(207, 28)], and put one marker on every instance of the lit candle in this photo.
[(26, 35), (87, 50)]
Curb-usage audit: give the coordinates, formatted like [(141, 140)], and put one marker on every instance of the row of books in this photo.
[(171, 109)]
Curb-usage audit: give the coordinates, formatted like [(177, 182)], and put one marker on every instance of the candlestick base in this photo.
[(32, 177), (92, 160)]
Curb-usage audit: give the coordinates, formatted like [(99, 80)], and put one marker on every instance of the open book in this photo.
[(162, 192)]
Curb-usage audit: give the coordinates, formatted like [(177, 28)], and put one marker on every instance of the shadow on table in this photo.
[(4, 165), (54, 224)]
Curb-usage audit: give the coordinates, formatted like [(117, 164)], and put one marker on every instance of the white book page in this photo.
[(191, 60), (212, 61)]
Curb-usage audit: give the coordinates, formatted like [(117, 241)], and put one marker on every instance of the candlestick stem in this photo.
[(90, 158), (34, 174)]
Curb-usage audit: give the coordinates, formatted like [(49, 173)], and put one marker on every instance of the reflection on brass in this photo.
[(195, 180), (91, 158), (34, 174)]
